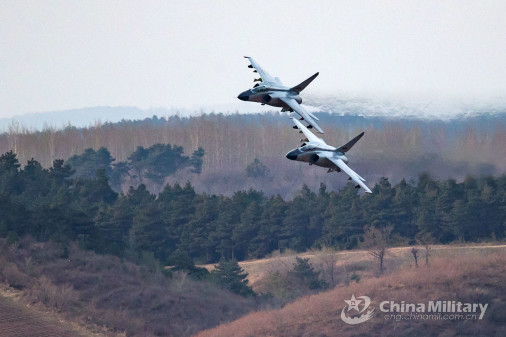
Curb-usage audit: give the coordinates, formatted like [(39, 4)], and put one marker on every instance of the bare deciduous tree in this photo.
[(426, 240), (376, 240), (327, 259), (414, 251)]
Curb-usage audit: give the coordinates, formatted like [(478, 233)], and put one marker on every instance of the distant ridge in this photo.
[(82, 117), (88, 116)]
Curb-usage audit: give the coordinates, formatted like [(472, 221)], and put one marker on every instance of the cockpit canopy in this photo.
[(260, 88), (307, 147)]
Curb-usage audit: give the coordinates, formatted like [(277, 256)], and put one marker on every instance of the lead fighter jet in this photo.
[(317, 152), (271, 91)]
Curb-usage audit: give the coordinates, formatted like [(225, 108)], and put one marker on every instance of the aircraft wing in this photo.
[(266, 78), (346, 169), (296, 107), (309, 135)]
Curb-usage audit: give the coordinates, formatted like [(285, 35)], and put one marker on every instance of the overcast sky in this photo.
[(58, 55)]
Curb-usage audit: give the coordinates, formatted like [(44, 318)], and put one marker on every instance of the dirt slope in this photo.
[(19, 321)]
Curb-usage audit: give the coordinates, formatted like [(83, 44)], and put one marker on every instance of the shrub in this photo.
[(182, 261), (57, 297), (257, 169), (14, 277)]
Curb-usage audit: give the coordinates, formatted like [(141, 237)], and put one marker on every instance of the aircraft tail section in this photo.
[(301, 86), (346, 147)]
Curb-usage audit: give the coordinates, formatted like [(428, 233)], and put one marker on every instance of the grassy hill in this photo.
[(358, 262), (122, 298), (79, 293), (466, 274)]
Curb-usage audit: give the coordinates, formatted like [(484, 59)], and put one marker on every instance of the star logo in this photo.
[(353, 303)]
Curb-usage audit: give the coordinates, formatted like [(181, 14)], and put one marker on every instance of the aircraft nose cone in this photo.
[(243, 97), (291, 156)]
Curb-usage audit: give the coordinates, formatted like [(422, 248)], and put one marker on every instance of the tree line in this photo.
[(392, 148), (153, 164), (53, 204)]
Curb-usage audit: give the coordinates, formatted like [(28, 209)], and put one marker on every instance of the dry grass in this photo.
[(122, 297), (355, 261), (18, 320), (464, 274)]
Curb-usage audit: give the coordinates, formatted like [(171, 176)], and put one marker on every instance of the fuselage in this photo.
[(315, 155), (270, 95)]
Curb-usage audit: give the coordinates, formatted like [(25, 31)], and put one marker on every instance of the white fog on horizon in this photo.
[(60, 55)]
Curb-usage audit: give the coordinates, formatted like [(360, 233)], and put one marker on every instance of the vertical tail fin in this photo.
[(346, 147), (299, 87)]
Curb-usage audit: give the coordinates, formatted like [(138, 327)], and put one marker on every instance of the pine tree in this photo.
[(342, 230), (60, 171), (270, 228), (196, 160), (231, 276), (10, 180), (304, 272), (246, 230), (297, 223)]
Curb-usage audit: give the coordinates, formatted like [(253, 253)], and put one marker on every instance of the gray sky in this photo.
[(58, 55)]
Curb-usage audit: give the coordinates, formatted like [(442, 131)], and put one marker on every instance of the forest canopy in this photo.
[(56, 204)]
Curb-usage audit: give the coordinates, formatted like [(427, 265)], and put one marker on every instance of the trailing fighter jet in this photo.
[(317, 152), (271, 91)]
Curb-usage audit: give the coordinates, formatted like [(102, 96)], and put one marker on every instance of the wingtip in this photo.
[(247, 57)]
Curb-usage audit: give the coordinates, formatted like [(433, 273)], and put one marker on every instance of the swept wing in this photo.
[(346, 169), (309, 135), (266, 78), (296, 107)]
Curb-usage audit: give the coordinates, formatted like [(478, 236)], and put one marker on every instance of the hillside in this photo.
[(466, 275), (16, 320), (103, 291), (356, 261), (78, 293)]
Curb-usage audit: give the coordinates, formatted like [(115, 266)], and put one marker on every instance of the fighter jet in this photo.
[(316, 151), (271, 91)]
